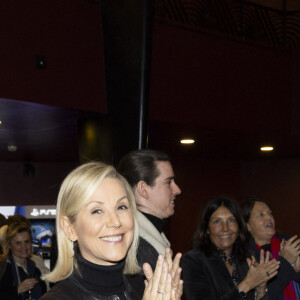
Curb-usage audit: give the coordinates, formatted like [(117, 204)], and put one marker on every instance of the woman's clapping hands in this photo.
[(165, 282), (290, 249), (259, 273)]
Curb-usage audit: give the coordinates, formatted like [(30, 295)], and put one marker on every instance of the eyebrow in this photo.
[(222, 217), (99, 202), (170, 178)]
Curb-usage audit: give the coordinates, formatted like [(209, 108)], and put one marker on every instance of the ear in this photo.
[(248, 227), (68, 228), (142, 189)]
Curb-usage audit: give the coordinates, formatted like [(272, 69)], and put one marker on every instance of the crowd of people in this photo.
[(111, 243)]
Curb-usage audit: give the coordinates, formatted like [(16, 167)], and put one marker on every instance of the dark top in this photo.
[(285, 275), (207, 277), (9, 281), (93, 282)]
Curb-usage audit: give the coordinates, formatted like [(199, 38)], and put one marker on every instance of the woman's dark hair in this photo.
[(201, 239), (141, 165), (247, 207)]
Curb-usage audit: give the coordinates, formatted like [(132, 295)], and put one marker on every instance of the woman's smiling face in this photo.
[(223, 229), (104, 227)]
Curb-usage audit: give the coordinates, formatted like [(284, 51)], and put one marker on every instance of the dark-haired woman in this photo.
[(218, 267), (261, 226), (19, 276)]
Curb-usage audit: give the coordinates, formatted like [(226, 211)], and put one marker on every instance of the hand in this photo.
[(175, 271), (259, 273), (296, 264), (27, 285), (290, 249), (158, 285)]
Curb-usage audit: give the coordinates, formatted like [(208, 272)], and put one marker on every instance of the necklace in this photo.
[(230, 260)]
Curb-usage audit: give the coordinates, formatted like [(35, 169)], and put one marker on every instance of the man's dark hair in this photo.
[(141, 165)]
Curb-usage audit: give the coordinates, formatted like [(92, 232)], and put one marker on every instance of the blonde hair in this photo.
[(75, 190)]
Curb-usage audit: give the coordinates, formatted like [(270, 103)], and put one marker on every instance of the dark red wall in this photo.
[(214, 81), (66, 32), (194, 77)]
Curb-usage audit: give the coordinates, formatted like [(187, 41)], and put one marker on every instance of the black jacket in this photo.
[(72, 289), (207, 278), (8, 287)]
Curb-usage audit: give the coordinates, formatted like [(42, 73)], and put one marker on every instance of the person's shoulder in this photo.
[(145, 245), (63, 290), (194, 255), (146, 253), (145, 249), (39, 263)]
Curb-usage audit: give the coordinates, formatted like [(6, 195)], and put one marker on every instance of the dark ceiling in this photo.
[(40, 132)]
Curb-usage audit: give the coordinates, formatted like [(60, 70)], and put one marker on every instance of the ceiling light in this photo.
[(0, 122), (12, 148), (267, 148), (187, 141)]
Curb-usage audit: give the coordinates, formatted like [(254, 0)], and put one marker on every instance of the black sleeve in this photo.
[(198, 282), (7, 290), (146, 253)]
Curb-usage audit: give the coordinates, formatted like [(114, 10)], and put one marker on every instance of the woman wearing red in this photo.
[(261, 226)]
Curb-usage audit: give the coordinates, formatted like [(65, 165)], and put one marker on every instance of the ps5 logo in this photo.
[(43, 212)]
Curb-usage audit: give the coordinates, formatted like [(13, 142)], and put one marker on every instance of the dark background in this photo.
[(231, 94)]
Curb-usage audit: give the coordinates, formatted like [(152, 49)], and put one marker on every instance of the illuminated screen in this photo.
[(42, 233)]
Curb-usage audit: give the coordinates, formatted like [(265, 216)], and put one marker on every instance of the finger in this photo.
[(271, 275), (296, 244), (267, 258), (168, 257), (157, 273), (162, 283), (253, 261), (147, 271), (167, 287), (249, 262), (291, 240), (261, 257), (177, 293), (274, 267), (180, 290), (176, 278), (272, 264), (175, 264)]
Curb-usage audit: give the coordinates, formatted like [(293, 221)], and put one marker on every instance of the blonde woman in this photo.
[(97, 238)]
